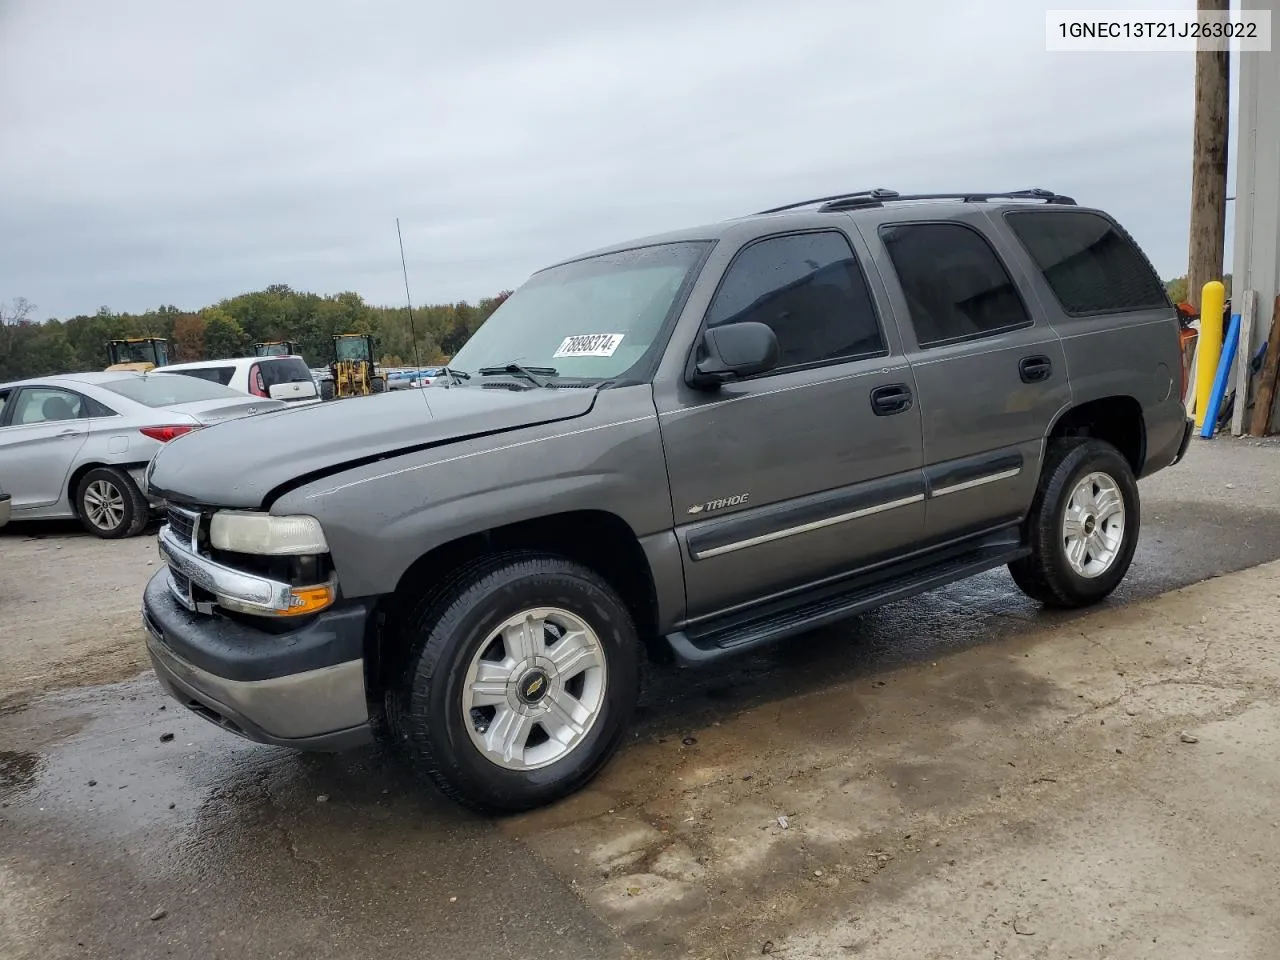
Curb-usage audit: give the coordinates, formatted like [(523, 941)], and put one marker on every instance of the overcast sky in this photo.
[(168, 151)]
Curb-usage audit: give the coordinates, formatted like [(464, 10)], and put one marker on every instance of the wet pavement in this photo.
[(118, 841)]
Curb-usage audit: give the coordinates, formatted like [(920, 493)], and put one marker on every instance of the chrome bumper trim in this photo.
[(269, 596)]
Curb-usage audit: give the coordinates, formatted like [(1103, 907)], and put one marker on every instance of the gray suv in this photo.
[(682, 447)]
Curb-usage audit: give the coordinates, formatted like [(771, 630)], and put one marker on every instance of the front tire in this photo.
[(377, 385), (521, 681), (1083, 527), (110, 505)]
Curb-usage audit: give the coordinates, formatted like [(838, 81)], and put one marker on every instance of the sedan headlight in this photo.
[(266, 535)]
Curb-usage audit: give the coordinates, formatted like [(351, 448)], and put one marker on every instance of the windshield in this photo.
[(352, 348), (166, 389), (591, 319), (142, 352)]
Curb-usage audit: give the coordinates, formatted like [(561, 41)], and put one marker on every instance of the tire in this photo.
[(326, 390), (377, 385), (456, 638), (110, 505), (1050, 574)]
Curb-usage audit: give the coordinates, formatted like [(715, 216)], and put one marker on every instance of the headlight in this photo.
[(266, 535)]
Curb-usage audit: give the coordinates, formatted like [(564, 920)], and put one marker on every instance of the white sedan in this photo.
[(77, 444)]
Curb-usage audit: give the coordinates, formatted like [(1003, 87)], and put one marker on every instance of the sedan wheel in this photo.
[(104, 505), (110, 505)]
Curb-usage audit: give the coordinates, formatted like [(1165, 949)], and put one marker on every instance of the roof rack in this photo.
[(876, 193), (878, 196)]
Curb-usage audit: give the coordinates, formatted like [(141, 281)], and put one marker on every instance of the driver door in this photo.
[(803, 472)]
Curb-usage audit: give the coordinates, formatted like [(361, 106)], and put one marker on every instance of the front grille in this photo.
[(182, 523), (180, 583)]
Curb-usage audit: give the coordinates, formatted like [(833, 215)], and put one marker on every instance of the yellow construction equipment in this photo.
[(137, 353), (276, 348), (352, 372)]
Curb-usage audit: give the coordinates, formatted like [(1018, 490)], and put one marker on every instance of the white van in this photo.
[(280, 378)]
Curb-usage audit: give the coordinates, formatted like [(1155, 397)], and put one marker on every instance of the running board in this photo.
[(734, 634)]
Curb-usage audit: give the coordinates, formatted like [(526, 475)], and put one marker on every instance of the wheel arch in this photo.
[(598, 539), (1117, 420), (78, 474)]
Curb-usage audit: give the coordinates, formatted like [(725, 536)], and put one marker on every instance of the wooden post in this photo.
[(1261, 419), (1244, 355), (1209, 166)]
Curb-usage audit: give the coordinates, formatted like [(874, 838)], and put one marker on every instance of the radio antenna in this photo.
[(413, 334)]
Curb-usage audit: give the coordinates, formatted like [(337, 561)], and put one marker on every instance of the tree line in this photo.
[(229, 328)]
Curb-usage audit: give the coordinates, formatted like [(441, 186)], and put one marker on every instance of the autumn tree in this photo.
[(188, 338)]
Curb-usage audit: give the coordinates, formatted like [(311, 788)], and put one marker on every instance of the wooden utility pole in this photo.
[(1209, 166)]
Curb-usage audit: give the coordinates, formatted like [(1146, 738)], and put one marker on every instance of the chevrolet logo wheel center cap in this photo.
[(533, 686)]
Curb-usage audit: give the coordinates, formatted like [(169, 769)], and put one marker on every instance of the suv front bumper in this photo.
[(303, 689)]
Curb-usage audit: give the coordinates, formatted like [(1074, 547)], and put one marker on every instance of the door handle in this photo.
[(1034, 369), (890, 399), (69, 433)]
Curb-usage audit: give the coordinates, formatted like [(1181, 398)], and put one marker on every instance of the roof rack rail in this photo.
[(877, 196), (1034, 193), (873, 195)]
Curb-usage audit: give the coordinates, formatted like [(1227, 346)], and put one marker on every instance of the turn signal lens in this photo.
[(165, 434), (304, 600)]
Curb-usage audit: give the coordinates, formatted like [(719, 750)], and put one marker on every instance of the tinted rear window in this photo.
[(284, 370), (165, 389), (955, 286), (220, 375), (1090, 264)]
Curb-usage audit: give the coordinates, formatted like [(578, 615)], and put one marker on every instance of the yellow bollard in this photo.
[(1213, 297)]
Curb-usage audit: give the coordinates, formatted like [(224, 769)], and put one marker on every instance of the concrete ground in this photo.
[(960, 775)]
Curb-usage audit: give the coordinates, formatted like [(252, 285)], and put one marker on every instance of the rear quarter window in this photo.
[(1091, 265)]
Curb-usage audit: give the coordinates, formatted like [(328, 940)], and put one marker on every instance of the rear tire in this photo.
[(521, 681), (110, 505), (326, 390), (1083, 527), (377, 385)]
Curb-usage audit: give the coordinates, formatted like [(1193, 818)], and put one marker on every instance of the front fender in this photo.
[(379, 518)]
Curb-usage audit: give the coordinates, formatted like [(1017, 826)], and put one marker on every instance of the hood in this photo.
[(240, 462)]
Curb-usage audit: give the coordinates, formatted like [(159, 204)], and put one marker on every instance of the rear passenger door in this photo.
[(781, 479), (990, 373)]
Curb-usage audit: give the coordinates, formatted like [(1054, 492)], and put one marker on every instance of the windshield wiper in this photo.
[(533, 374), (455, 374)]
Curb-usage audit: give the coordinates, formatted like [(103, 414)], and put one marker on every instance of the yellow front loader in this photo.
[(137, 353), (352, 372)]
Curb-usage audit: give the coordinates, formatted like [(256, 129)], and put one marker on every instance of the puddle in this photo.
[(18, 770)]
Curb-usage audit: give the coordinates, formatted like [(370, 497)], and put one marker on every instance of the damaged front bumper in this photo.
[(303, 688)]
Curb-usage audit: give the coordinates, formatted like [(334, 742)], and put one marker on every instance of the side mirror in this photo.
[(734, 350)]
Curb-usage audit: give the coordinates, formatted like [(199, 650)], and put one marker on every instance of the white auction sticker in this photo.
[(589, 345)]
